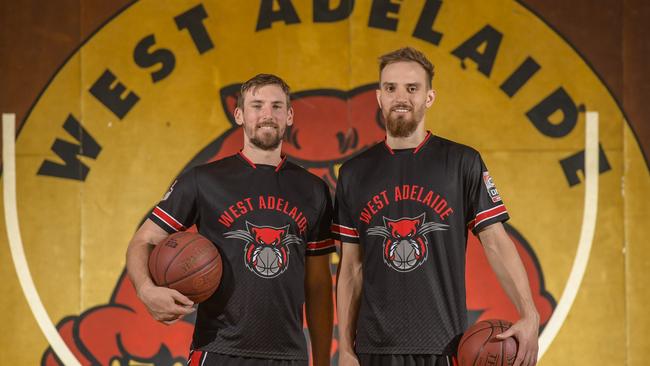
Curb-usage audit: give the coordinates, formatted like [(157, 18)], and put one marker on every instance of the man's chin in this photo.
[(266, 143), (401, 127)]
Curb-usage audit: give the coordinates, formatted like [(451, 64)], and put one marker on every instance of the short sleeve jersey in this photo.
[(264, 220), (410, 210)]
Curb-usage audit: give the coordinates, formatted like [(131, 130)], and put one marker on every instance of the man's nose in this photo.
[(401, 95), (267, 111)]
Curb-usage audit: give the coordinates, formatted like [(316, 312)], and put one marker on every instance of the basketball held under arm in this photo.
[(348, 295), (137, 254), (165, 305)]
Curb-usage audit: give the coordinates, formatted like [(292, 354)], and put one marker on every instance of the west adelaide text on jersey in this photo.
[(246, 205), (410, 192)]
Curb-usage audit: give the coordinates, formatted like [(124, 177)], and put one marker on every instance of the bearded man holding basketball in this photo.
[(402, 211), (270, 219)]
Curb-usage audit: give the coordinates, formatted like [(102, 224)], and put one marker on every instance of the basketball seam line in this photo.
[(175, 256), (192, 273)]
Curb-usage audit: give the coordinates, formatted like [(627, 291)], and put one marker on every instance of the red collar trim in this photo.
[(388, 147), (426, 138), (281, 164), (277, 168), (247, 159)]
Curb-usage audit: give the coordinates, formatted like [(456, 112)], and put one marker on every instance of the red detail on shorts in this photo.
[(195, 358)]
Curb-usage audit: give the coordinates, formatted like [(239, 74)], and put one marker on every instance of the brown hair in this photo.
[(259, 81), (407, 54)]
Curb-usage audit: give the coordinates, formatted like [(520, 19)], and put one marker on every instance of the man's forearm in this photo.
[(320, 309), (348, 295), (137, 254), (506, 263), (137, 258)]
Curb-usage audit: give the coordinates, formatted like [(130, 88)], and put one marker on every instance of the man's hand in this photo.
[(164, 304), (525, 331), (348, 358)]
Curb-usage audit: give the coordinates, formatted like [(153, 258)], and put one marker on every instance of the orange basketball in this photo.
[(480, 347), (187, 262)]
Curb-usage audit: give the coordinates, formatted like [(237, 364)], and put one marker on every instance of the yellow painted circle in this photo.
[(76, 231)]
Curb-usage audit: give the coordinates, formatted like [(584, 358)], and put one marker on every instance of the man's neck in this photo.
[(410, 142), (259, 156)]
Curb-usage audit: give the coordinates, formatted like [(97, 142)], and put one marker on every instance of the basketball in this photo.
[(480, 347), (268, 262), (187, 262)]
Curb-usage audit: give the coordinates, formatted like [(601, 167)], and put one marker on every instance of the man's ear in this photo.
[(378, 93), (431, 96), (239, 116), (229, 95), (290, 116)]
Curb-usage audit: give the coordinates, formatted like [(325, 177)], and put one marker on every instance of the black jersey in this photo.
[(411, 210), (264, 220)]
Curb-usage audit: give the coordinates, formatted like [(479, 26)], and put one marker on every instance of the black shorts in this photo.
[(201, 358), (405, 360)]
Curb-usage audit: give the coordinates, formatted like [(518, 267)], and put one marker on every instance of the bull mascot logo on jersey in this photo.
[(405, 243), (267, 248)]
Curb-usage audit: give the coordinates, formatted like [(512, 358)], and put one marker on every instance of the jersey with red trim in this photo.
[(264, 220), (410, 210)]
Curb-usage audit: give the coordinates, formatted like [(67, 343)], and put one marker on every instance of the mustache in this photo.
[(267, 124), (401, 106)]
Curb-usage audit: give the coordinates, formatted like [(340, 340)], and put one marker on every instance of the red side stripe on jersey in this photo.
[(316, 245), (247, 159), (426, 138), (486, 215), (196, 358), (168, 219), (344, 230)]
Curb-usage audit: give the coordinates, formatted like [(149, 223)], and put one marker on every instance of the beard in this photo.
[(265, 139), (400, 125)]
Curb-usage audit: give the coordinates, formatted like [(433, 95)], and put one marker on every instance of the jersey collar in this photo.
[(415, 151), (254, 166)]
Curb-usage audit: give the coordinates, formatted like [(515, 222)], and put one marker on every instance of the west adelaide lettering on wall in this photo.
[(555, 115)]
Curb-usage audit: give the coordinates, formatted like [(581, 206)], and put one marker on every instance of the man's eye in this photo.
[(412, 89), (390, 88)]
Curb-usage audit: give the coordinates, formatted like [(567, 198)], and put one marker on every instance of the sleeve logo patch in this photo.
[(491, 188), (171, 189)]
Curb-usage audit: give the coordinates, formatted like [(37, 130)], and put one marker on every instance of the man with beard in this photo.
[(401, 281), (273, 261)]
